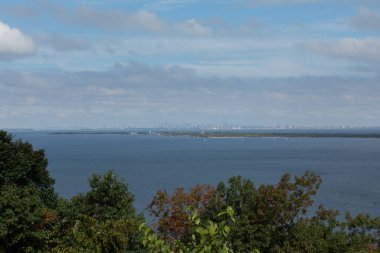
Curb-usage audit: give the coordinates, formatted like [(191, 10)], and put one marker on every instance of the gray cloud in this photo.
[(109, 20), (139, 22), (143, 95), (283, 1), (275, 2), (18, 10), (168, 4), (120, 20), (366, 50), (172, 4), (134, 21), (366, 20), (62, 43)]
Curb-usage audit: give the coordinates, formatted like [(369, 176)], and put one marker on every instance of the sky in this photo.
[(140, 63)]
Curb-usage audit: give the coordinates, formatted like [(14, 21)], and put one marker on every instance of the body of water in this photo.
[(349, 167)]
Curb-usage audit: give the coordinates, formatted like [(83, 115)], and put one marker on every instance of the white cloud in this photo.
[(147, 20), (13, 43), (192, 27), (367, 49)]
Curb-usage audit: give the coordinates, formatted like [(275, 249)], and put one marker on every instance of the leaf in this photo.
[(227, 229), (230, 211)]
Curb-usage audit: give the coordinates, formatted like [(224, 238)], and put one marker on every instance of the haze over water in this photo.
[(349, 167)]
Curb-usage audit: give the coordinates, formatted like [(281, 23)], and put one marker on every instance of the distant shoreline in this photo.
[(224, 134)]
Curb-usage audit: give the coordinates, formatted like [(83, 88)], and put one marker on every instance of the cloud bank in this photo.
[(365, 50), (136, 94)]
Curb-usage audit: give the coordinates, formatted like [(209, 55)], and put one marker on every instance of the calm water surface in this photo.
[(350, 168)]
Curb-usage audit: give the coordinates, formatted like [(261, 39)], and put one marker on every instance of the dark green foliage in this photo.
[(237, 194), (102, 220), (26, 196), (22, 220), (21, 166), (325, 233), (108, 198), (33, 219), (91, 235)]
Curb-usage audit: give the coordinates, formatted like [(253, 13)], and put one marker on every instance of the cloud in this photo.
[(18, 10), (192, 27), (114, 19), (168, 4), (366, 50), (14, 44), (285, 1), (366, 20), (275, 2), (63, 43), (145, 95), (146, 21)]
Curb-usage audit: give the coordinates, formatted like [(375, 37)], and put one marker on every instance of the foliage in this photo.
[(27, 196), (22, 220), (325, 233), (171, 210), (102, 220), (264, 215), (21, 166), (273, 218), (109, 198), (208, 238), (91, 235)]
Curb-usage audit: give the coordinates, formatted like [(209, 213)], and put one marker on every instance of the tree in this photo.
[(266, 215), (27, 196), (109, 198), (208, 237), (22, 217), (170, 210), (21, 166), (102, 220)]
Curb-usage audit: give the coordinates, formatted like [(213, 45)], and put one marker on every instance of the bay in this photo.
[(349, 167)]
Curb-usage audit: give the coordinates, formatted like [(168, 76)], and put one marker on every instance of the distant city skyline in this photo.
[(98, 63), (195, 126)]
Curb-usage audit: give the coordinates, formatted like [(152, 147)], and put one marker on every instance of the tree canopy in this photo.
[(22, 166)]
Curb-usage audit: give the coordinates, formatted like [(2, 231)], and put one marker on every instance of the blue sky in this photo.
[(98, 63)]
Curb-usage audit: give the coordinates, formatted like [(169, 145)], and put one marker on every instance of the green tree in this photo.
[(108, 198), (21, 165), (22, 220), (102, 220), (266, 215), (27, 196)]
